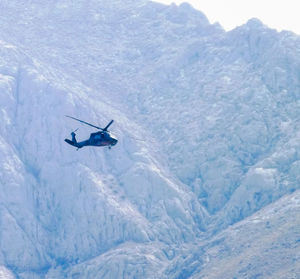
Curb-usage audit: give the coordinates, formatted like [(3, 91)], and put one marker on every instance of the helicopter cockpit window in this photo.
[(112, 135)]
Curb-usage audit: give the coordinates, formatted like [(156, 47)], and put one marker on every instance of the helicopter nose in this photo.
[(114, 141)]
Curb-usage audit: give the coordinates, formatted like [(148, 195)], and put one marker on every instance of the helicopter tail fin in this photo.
[(71, 142), (74, 138)]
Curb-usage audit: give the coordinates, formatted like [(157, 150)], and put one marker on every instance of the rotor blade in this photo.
[(105, 129), (85, 122)]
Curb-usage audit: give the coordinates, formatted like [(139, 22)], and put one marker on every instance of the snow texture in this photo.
[(208, 129)]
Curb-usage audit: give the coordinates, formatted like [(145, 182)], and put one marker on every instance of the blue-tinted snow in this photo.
[(208, 128)]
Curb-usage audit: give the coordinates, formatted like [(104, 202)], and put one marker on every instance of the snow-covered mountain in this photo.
[(208, 129)]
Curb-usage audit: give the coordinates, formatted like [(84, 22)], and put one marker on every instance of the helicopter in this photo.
[(101, 138)]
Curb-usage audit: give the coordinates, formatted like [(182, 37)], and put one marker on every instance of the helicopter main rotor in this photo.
[(99, 128)]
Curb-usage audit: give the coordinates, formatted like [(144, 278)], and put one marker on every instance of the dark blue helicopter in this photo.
[(101, 138)]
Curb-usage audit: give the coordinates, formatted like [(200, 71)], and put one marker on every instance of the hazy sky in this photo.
[(278, 14)]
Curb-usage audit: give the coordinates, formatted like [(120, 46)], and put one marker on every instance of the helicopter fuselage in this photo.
[(102, 139)]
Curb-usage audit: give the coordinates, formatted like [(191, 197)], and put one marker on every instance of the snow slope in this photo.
[(59, 206), (208, 129), (265, 245)]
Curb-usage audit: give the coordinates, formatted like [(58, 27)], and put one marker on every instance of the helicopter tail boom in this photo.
[(72, 143)]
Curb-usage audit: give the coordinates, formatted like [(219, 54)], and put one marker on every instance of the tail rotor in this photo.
[(74, 131)]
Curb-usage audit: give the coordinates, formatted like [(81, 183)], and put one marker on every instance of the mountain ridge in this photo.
[(206, 119)]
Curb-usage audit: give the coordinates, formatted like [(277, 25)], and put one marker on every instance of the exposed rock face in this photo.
[(208, 128)]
